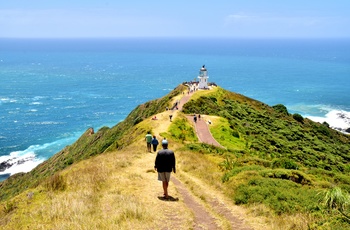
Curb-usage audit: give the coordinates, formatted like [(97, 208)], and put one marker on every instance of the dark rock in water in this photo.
[(347, 130), (5, 165)]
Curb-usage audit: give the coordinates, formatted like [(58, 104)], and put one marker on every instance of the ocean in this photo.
[(53, 90)]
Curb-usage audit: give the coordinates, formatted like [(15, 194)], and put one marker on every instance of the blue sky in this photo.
[(180, 18)]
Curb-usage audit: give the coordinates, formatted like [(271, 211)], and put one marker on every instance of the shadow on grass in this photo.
[(170, 198)]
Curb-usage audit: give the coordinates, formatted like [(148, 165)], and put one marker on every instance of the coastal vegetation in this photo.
[(284, 170)]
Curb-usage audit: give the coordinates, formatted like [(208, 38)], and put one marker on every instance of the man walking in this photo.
[(148, 139), (165, 164)]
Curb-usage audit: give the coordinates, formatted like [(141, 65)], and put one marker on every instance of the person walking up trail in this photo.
[(148, 139), (154, 143), (164, 165)]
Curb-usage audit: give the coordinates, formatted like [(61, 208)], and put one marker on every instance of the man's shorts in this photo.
[(164, 176)]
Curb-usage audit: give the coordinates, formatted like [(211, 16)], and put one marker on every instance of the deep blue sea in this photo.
[(51, 91)]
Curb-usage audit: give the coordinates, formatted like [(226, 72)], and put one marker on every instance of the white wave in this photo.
[(20, 161), (28, 159), (36, 98), (337, 119), (62, 98), (44, 123), (6, 100), (36, 103)]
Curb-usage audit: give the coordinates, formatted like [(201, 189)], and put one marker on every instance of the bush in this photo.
[(285, 174), (323, 129), (180, 129), (284, 163), (280, 109), (235, 134), (298, 117), (282, 196)]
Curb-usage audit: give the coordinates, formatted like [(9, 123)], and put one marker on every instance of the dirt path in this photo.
[(185, 209), (203, 131), (200, 125), (213, 213)]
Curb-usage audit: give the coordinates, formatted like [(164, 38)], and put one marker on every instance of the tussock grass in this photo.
[(55, 183)]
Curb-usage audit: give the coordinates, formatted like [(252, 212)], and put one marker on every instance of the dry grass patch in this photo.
[(299, 221)]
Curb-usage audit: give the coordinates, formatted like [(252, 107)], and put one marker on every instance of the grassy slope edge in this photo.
[(105, 139)]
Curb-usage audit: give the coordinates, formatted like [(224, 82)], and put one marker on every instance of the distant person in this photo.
[(164, 165), (154, 143), (148, 139), (171, 117), (195, 118)]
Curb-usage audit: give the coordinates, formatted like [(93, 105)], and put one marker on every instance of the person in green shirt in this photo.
[(148, 139)]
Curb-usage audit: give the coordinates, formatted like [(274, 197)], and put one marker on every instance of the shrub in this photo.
[(298, 117), (323, 129), (281, 109), (282, 196), (284, 163), (180, 129), (235, 134), (292, 175)]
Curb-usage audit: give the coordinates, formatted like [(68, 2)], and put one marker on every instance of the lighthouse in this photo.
[(203, 78)]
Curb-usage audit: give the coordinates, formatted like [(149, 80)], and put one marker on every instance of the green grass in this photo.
[(181, 130), (282, 196), (226, 134)]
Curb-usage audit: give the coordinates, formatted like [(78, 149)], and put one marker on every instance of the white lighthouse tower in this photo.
[(203, 78)]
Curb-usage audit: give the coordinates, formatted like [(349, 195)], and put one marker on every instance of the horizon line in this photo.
[(172, 37)]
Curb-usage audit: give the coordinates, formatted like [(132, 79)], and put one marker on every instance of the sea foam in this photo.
[(28, 159), (337, 119), (20, 161)]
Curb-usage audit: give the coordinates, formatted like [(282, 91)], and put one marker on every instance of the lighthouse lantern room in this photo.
[(203, 78)]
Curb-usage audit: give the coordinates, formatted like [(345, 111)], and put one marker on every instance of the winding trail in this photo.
[(203, 131), (201, 126), (215, 212)]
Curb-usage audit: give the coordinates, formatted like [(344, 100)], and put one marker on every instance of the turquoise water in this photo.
[(51, 91)]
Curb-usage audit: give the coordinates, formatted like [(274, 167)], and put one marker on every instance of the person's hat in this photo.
[(164, 142)]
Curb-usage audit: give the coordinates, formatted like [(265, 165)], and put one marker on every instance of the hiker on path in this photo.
[(164, 165), (154, 143), (195, 118), (148, 139)]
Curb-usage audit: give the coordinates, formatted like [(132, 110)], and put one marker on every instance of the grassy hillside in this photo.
[(288, 170), (105, 139), (274, 158)]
